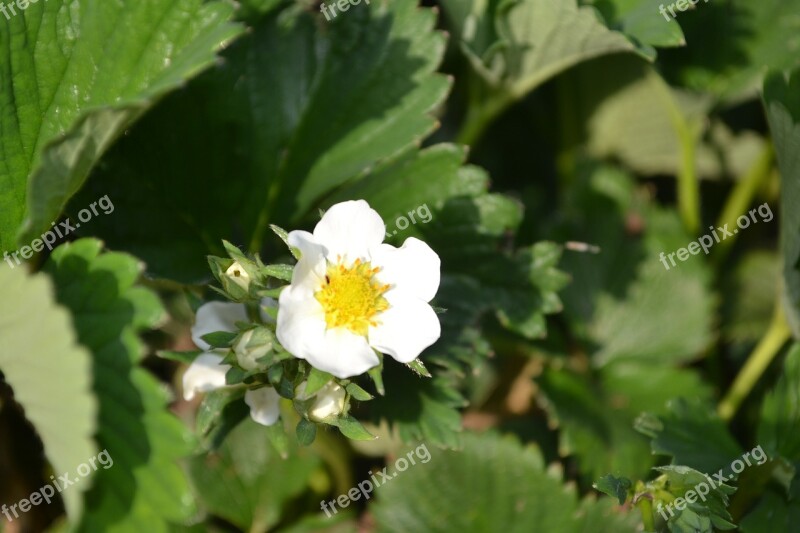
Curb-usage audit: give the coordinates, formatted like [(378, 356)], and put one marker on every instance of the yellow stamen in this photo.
[(352, 297)]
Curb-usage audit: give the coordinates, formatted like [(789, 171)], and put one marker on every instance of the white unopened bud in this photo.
[(238, 275), (328, 401), (251, 346)]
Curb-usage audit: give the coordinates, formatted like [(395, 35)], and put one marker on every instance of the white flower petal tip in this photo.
[(413, 269), (349, 230), (407, 328), (203, 375), (264, 405), (351, 295), (216, 316)]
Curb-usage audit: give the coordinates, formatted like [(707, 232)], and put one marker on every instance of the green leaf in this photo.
[(692, 434), (605, 93), (641, 20), (58, 116), (358, 393), (419, 368), (704, 516), (284, 235), (595, 414), (740, 40), (632, 307), (750, 295), (50, 374), (774, 512), (316, 380), (181, 357), (220, 339), (306, 432), (780, 413), (517, 45), (494, 484), (219, 413), (428, 412), (535, 40), (782, 102), (352, 428), (146, 488), (616, 487), (246, 483), (636, 321), (376, 375), (282, 272), (272, 97)]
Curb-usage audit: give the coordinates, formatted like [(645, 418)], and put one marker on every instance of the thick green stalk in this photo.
[(768, 347)]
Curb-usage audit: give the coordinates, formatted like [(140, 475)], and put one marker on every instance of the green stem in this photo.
[(688, 134), (480, 115), (645, 505), (743, 193), (766, 350), (688, 185)]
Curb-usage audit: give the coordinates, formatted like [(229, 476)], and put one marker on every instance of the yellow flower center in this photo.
[(352, 297)]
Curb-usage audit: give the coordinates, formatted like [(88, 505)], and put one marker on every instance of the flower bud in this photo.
[(252, 345), (237, 274), (328, 401)]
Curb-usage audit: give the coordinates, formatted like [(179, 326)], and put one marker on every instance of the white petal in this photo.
[(405, 329), (264, 405), (350, 230), (203, 375), (301, 318), (303, 332), (342, 353), (310, 269), (412, 269), (216, 316)]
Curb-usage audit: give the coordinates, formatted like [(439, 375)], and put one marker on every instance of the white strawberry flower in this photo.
[(207, 373), (351, 294)]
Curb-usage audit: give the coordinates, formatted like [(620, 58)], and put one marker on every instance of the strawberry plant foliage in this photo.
[(340, 233), (54, 366), (59, 115), (108, 311)]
